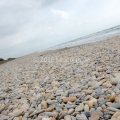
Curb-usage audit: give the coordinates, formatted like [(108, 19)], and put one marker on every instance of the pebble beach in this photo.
[(76, 83)]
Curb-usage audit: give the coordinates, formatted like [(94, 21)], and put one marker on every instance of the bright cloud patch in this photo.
[(60, 13)]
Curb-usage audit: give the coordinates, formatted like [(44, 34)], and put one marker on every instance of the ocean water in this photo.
[(102, 35)]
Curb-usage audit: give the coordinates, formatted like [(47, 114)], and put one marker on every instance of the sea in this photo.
[(102, 35)]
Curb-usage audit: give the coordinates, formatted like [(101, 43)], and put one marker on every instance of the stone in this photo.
[(117, 74), (4, 117), (113, 109), (44, 103), (70, 111), (67, 117), (88, 114), (52, 118), (16, 118), (117, 99), (91, 102), (79, 108), (19, 106), (95, 116), (49, 109), (18, 112), (56, 84), (118, 118), (69, 99), (6, 101), (86, 108), (107, 116), (112, 98), (20, 118), (98, 84), (113, 119), (116, 115), (10, 107), (88, 91), (109, 103), (87, 97), (81, 117), (45, 95), (73, 118), (116, 105), (24, 119), (51, 114), (107, 84), (46, 118), (70, 106), (115, 81), (62, 114)]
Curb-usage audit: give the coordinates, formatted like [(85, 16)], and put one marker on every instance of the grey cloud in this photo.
[(7, 30), (48, 2)]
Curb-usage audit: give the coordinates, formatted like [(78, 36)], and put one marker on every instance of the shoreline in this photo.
[(56, 50)]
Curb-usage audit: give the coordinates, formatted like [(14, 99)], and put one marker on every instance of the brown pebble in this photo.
[(48, 109), (70, 99), (95, 116), (117, 99), (20, 118), (44, 103), (112, 98)]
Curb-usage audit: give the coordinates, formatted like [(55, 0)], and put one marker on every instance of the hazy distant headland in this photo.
[(4, 61)]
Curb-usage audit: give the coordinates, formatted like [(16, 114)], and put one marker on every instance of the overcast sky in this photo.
[(27, 26)]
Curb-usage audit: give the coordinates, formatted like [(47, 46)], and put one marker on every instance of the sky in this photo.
[(27, 26)]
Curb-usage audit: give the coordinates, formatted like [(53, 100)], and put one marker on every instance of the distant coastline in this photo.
[(2, 61)]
